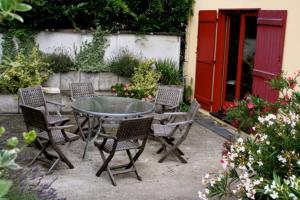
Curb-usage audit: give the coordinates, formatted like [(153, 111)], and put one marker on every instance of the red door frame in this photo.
[(222, 55)]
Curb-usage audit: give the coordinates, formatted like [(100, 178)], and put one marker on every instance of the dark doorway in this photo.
[(239, 55)]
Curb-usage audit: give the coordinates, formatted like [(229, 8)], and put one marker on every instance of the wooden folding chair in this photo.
[(165, 133), (126, 139), (167, 99), (34, 97), (49, 136), (78, 90)]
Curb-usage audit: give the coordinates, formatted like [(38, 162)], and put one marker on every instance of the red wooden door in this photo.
[(269, 51), (205, 58)]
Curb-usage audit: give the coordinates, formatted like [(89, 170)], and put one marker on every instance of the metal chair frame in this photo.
[(126, 138)]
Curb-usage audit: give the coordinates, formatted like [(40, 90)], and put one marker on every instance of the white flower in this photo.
[(293, 196), (268, 142), (240, 140), (212, 182), (260, 163), (274, 195), (206, 176), (206, 191), (281, 159), (258, 151), (234, 191), (202, 196)]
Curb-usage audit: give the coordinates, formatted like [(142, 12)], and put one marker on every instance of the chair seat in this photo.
[(121, 146), (54, 119), (162, 130), (58, 137)]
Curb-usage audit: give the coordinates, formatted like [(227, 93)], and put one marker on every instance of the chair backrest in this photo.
[(194, 107), (137, 128), (32, 96), (34, 118), (81, 90), (169, 95)]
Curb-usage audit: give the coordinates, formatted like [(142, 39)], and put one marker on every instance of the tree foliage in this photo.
[(113, 15)]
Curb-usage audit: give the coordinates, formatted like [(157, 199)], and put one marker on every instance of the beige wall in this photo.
[(291, 58)]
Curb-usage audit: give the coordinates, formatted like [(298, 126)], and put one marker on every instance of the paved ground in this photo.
[(170, 180)]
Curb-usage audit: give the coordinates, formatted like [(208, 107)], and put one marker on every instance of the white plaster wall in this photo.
[(148, 46)]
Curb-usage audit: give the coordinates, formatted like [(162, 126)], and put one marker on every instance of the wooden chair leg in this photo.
[(53, 166), (62, 156), (172, 150), (105, 166), (42, 151), (80, 125), (133, 165), (170, 141)]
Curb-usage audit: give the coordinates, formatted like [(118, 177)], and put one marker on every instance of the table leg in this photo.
[(89, 136)]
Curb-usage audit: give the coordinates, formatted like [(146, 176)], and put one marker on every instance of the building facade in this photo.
[(234, 47)]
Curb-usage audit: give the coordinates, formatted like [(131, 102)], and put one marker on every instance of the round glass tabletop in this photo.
[(112, 106)]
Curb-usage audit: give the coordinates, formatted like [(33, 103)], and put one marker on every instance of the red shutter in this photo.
[(205, 58), (269, 51)]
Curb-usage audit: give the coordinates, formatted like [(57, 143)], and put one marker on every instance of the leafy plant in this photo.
[(59, 62), (265, 166), (144, 79), (15, 40), (130, 15), (169, 74), (90, 57), (24, 71), (8, 160), (8, 9), (123, 63)]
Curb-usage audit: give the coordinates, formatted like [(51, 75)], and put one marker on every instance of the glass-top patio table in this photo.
[(108, 106)]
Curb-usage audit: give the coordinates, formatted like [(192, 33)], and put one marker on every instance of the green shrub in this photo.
[(59, 62), (145, 80), (24, 71), (169, 74), (123, 64), (90, 57), (266, 165)]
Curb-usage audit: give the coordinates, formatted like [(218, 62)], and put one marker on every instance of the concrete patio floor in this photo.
[(170, 180)]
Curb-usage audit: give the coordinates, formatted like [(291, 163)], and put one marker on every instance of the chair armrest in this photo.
[(107, 136), (55, 103), (60, 127), (180, 123), (175, 113)]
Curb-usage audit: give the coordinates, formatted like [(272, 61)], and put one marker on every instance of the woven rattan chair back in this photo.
[(168, 95), (81, 90), (34, 118), (32, 96), (134, 128), (194, 107)]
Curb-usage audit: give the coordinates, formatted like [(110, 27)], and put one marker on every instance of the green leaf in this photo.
[(5, 185), (2, 130), (15, 16), (7, 5), (23, 7), (12, 142), (29, 137), (7, 159)]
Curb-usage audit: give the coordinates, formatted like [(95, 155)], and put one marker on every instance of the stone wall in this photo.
[(102, 83)]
